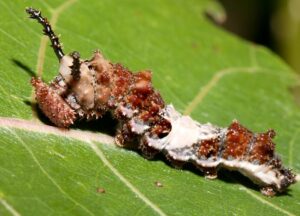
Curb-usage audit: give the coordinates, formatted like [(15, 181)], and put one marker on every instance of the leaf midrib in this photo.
[(192, 105)]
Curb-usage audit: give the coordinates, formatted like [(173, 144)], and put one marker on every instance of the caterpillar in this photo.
[(87, 89)]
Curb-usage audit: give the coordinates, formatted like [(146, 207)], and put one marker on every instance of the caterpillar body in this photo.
[(87, 89)]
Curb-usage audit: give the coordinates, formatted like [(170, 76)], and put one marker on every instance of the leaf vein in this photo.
[(9, 207), (266, 202), (11, 37), (212, 83), (67, 133), (46, 173), (9, 101), (102, 157)]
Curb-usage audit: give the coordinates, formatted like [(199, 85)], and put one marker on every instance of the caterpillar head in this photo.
[(71, 94)]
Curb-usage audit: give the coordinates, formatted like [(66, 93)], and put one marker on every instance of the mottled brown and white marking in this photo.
[(87, 89)]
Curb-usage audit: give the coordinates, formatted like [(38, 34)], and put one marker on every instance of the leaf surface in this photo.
[(204, 71)]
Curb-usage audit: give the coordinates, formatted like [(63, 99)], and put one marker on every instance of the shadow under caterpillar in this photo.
[(87, 89)]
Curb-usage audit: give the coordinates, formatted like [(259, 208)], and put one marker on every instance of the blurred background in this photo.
[(272, 23)]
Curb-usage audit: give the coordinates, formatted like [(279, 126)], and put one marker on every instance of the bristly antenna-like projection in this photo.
[(86, 89), (36, 14)]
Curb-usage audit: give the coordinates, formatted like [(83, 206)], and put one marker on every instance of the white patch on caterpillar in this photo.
[(184, 134), (127, 112), (138, 127), (64, 68), (259, 173), (83, 89)]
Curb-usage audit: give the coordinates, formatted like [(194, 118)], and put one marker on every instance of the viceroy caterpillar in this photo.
[(87, 89)]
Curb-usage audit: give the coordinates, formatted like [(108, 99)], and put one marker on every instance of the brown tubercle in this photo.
[(52, 104), (209, 148), (263, 148), (237, 140)]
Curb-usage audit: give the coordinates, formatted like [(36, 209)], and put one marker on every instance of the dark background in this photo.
[(272, 23)]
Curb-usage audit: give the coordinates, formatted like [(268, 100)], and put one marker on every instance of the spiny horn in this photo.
[(57, 47)]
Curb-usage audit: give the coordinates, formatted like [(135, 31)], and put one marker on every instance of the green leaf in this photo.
[(203, 70)]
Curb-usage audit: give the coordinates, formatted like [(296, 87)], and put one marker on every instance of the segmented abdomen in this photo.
[(239, 143), (210, 147), (98, 86)]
